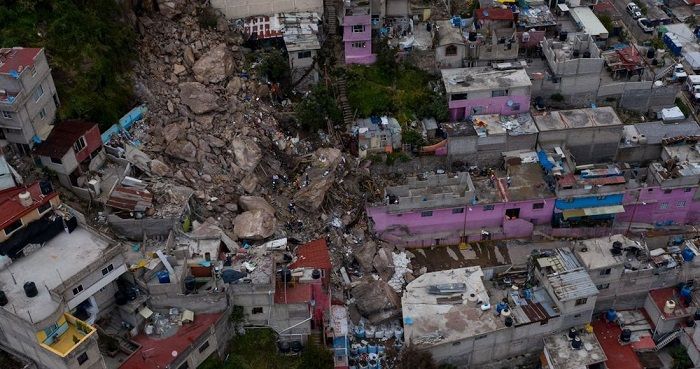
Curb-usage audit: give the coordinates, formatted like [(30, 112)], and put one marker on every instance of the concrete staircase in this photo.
[(348, 117), (331, 11), (666, 339)]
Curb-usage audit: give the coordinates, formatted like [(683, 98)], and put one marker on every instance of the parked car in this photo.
[(634, 10), (645, 25)]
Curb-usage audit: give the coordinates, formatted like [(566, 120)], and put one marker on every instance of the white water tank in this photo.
[(669, 306), (25, 198), (505, 312), (94, 186)]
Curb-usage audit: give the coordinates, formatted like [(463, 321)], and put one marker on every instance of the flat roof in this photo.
[(661, 295), (461, 80), (527, 183), (577, 118), (655, 132), (561, 355), (597, 252), (618, 355), (60, 259), (10, 207), (588, 20), (428, 322), (496, 124), (17, 59), (448, 34)]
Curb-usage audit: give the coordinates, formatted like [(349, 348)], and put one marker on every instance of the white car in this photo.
[(634, 10), (645, 25)]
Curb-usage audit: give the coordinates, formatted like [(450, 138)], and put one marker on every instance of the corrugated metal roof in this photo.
[(572, 285), (600, 210), (130, 199)]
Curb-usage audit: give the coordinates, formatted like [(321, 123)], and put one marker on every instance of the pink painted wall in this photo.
[(476, 218), (349, 35), (355, 55), (350, 20), (492, 105), (676, 206)]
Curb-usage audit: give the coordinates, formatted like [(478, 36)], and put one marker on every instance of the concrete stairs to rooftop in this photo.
[(316, 337), (330, 8), (348, 116), (666, 339)]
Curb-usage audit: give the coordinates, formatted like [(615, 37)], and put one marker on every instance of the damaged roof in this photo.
[(10, 207), (130, 199), (312, 255), (62, 138)]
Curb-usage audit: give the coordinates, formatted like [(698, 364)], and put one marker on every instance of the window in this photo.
[(359, 44), (455, 97), (544, 322), (456, 343), (497, 93), (650, 190), (577, 315), (451, 50), (480, 337), (304, 54), (539, 205), (80, 144), (680, 204), (108, 269), (581, 301), (43, 208), (42, 113), (78, 289), (687, 189), (33, 71), (457, 210), (663, 205), (668, 191), (204, 347), (56, 161), (358, 28), (6, 114), (489, 207), (184, 365), (257, 310), (428, 213), (82, 358), (605, 271), (38, 93), (603, 286), (13, 227)]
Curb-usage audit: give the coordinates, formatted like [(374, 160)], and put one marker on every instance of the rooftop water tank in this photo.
[(509, 322), (626, 335), (576, 343), (316, 274), (611, 315), (190, 283), (3, 298), (25, 198), (669, 306), (688, 254), (30, 289), (572, 333)]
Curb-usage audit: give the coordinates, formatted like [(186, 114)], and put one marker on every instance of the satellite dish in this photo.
[(174, 353)]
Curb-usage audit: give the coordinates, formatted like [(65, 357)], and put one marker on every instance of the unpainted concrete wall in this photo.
[(234, 9)]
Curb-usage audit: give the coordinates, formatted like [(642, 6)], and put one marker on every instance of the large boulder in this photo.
[(214, 66), (246, 153), (384, 263), (320, 176), (376, 300), (159, 168), (182, 149), (364, 255), (197, 98), (170, 132), (248, 203), (170, 8), (256, 224)]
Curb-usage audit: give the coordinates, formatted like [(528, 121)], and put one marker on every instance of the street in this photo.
[(633, 29)]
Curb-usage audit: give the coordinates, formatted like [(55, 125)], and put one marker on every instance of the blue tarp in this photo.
[(125, 122), (546, 164)]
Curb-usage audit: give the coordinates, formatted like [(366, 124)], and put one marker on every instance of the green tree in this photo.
[(316, 357), (89, 49), (275, 66), (316, 108), (411, 358), (606, 22)]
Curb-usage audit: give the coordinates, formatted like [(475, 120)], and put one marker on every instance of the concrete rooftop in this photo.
[(462, 80), (61, 258), (597, 253), (577, 118), (560, 354), (496, 124), (434, 323)]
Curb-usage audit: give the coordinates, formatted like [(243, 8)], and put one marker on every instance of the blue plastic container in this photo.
[(688, 254), (163, 276), (611, 315)]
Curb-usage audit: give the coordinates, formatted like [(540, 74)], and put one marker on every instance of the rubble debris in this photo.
[(214, 66), (197, 98), (248, 203), (256, 224), (318, 179), (376, 301)]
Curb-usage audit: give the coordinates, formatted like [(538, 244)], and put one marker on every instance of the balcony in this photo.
[(65, 335), (10, 98)]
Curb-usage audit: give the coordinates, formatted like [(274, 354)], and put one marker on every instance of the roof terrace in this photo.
[(430, 191), (561, 354)]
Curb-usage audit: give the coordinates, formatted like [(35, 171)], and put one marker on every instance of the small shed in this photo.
[(430, 127)]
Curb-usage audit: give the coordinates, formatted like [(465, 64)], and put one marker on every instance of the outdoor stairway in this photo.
[(667, 338), (316, 338), (344, 104), (331, 16)]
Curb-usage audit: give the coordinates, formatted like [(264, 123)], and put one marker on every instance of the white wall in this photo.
[(234, 9)]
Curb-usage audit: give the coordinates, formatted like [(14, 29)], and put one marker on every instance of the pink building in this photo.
[(484, 90), (357, 32), (448, 209)]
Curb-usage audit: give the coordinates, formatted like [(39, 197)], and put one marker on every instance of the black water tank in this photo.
[(572, 333), (696, 316), (651, 53), (509, 321), (285, 275), (316, 274), (576, 343), (472, 36), (283, 346), (3, 298), (563, 35), (45, 187), (626, 335), (30, 289), (120, 298), (296, 346), (287, 258), (190, 283), (586, 54)]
